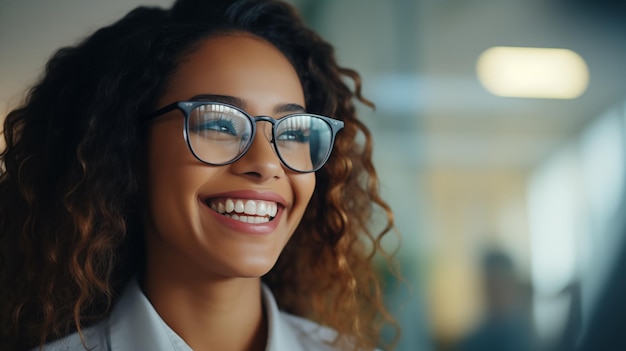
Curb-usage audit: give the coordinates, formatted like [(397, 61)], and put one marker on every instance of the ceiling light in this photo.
[(532, 72)]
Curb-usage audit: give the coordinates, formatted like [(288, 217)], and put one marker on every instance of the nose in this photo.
[(260, 161)]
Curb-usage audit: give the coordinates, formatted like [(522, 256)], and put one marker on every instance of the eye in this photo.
[(294, 129), (295, 135), (216, 124)]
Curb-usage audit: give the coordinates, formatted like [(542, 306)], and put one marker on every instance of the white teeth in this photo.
[(248, 211), (250, 207), (229, 206), (239, 207), (261, 208), (248, 219)]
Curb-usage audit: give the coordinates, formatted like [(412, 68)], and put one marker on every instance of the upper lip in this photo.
[(248, 195)]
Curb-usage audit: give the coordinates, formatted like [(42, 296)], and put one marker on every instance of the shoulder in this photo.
[(94, 339), (289, 332), (310, 335)]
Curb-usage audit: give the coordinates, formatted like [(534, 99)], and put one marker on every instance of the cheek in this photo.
[(170, 162), (305, 185), (164, 168), (171, 172)]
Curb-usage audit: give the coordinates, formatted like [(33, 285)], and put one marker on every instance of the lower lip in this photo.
[(248, 228)]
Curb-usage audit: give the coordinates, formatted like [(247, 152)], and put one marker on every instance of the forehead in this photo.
[(240, 65)]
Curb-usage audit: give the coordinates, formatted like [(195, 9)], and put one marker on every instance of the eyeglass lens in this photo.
[(219, 134)]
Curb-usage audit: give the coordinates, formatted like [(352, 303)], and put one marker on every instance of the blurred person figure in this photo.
[(604, 328), (506, 324)]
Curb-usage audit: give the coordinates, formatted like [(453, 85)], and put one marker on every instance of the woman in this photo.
[(169, 185)]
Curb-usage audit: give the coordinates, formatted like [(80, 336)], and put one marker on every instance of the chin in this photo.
[(255, 269)]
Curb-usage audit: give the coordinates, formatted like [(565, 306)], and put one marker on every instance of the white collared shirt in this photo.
[(134, 325)]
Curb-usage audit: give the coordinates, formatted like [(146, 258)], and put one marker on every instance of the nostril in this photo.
[(254, 174)]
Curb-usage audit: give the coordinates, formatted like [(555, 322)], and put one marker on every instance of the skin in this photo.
[(203, 271)]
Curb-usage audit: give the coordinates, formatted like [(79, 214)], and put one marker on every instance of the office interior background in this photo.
[(503, 160)]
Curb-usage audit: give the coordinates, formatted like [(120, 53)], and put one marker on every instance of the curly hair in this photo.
[(70, 227)]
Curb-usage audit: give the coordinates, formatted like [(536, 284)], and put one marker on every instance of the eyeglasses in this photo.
[(219, 134)]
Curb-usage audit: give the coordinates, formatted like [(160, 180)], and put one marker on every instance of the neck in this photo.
[(210, 314)]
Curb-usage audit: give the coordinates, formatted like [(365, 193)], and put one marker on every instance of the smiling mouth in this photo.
[(244, 210)]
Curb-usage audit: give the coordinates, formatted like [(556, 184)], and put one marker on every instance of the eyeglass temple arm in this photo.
[(162, 111), (336, 124)]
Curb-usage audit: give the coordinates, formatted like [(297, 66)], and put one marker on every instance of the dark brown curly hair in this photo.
[(70, 228)]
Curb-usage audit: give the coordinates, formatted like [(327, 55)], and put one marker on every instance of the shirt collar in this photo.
[(279, 335), (134, 324)]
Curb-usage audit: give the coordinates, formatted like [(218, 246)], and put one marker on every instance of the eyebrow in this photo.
[(238, 102)]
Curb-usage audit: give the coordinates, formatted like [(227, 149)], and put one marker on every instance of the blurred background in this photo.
[(502, 158)]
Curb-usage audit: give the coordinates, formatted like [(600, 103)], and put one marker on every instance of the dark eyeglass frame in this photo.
[(187, 106)]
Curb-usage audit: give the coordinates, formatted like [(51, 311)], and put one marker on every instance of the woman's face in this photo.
[(183, 232)]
